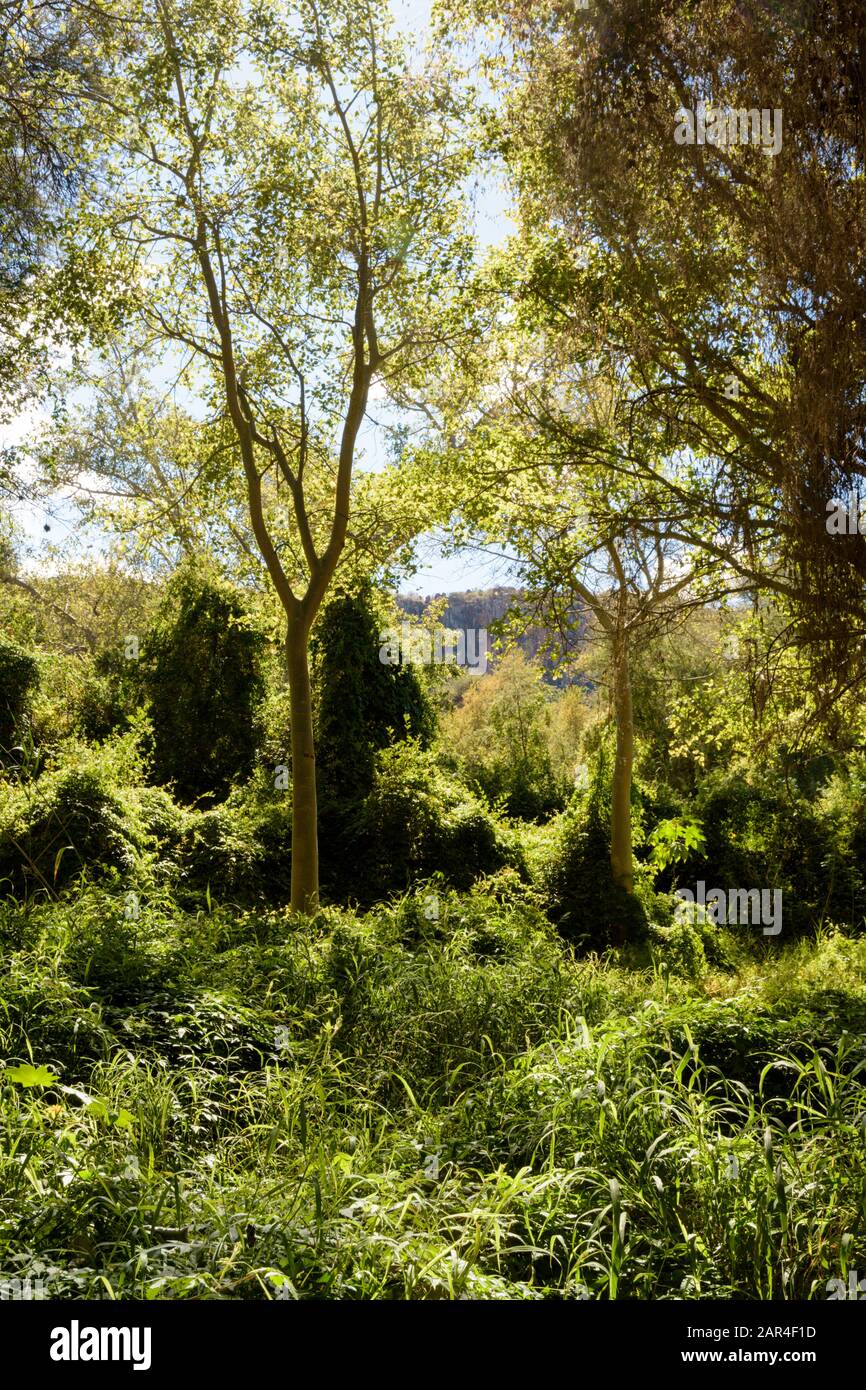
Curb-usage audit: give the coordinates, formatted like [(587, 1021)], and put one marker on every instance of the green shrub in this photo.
[(202, 669), (218, 854), (271, 824), (162, 820), (416, 821), (587, 906), (362, 703), (680, 948), (55, 1014), (110, 694), (82, 816), (19, 676), (123, 947), (842, 807), (761, 833), (64, 823)]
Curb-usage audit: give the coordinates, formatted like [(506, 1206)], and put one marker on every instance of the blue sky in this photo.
[(440, 573)]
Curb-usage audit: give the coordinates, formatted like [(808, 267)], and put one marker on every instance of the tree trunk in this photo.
[(305, 838), (620, 830)]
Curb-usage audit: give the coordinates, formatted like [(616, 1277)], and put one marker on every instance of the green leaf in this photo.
[(59, 856), (26, 1075)]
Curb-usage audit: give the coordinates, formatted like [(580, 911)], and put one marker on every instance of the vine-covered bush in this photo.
[(583, 900), (362, 703), (417, 821), (203, 671), (760, 832), (66, 822), (19, 676)]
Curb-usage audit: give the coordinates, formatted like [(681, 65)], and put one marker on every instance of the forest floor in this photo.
[(226, 1104)]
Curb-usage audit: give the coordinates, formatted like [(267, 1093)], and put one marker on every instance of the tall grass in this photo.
[(230, 1105)]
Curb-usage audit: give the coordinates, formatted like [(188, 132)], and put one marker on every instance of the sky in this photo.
[(439, 573), (44, 525)]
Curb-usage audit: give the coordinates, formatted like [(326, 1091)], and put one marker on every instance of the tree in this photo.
[(731, 279), (500, 733), (287, 190), (547, 476), (161, 485), (623, 570), (49, 76)]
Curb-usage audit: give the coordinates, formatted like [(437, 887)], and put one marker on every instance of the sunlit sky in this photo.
[(437, 573), (440, 573)]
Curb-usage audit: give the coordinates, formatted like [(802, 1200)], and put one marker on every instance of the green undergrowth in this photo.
[(436, 1099)]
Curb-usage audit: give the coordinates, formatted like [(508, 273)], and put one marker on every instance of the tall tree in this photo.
[(559, 474), (730, 274), (584, 544), (287, 190), (49, 77)]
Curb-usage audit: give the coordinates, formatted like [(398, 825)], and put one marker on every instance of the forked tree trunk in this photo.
[(305, 838), (621, 860)]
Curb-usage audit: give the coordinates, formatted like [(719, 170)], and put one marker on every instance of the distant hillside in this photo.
[(482, 608)]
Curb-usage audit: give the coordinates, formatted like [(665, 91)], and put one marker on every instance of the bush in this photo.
[(162, 820), (680, 948), (202, 669), (218, 854), (760, 833), (583, 900), (271, 824), (362, 704), (65, 822), (842, 808), (52, 1011), (110, 694), (417, 821), (19, 676), (122, 947)]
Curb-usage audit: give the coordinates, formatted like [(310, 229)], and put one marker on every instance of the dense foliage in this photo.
[(506, 944), (623, 1131), (201, 670)]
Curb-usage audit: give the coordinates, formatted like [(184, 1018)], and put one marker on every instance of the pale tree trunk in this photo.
[(305, 836), (620, 829)]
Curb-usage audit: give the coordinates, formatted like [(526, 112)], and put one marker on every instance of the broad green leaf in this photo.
[(27, 1075)]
